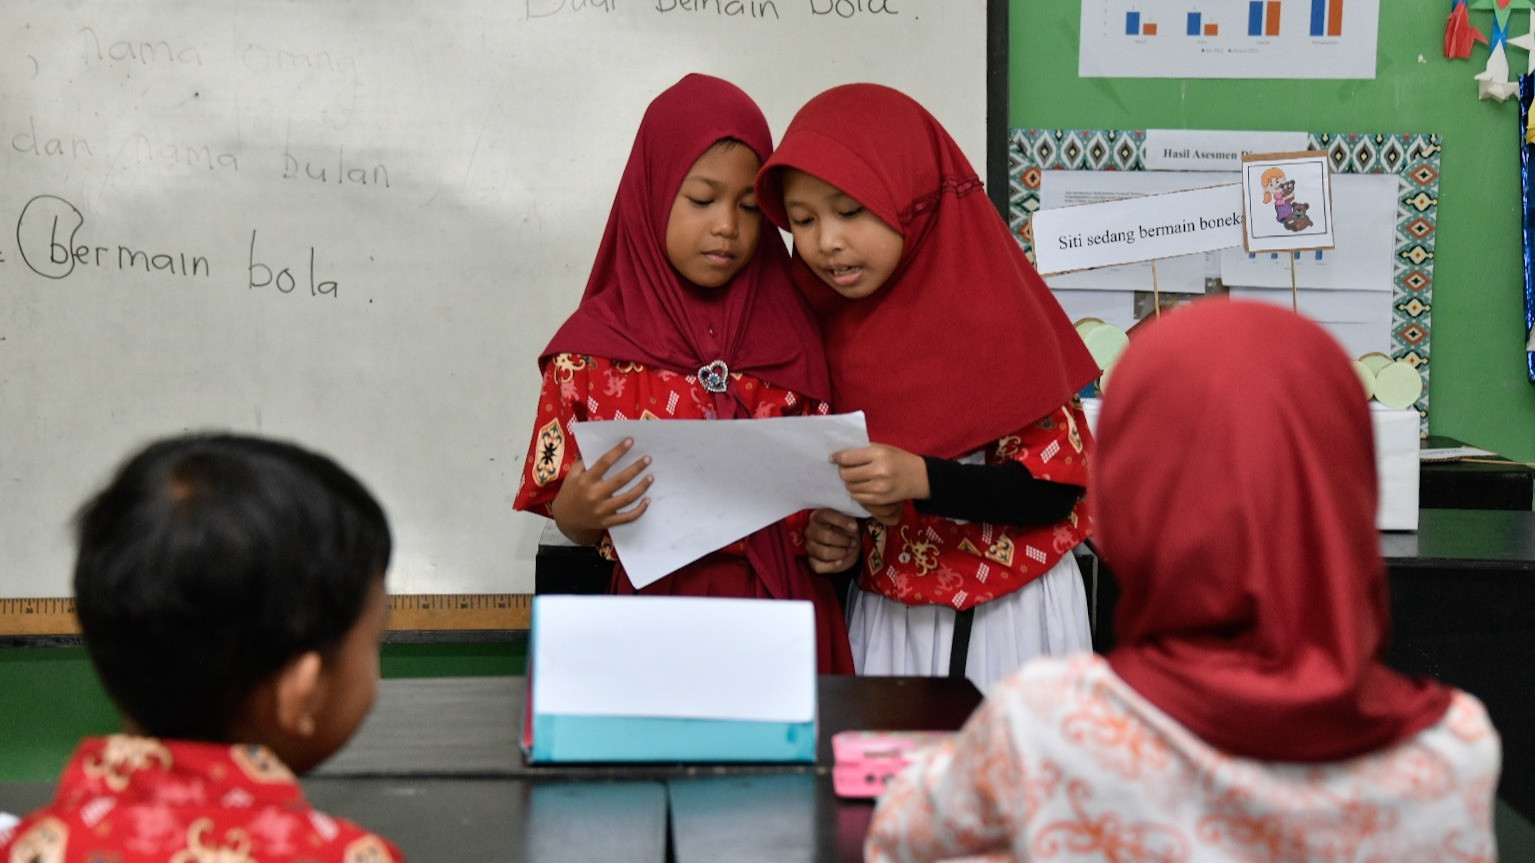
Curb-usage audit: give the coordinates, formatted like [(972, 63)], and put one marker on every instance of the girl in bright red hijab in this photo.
[(938, 329), (688, 314), (1245, 713)]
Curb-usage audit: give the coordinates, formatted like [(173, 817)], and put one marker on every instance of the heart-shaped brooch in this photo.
[(714, 376)]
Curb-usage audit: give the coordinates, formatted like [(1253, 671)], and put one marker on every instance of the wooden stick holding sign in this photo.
[(1287, 206), (1131, 230)]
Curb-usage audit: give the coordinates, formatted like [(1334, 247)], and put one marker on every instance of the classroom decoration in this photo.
[(1255, 39), (1396, 384), (1493, 81), (1414, 159), (1366, 377), (1526, 155), (1105, 342), (1286, 202), (1301, 217), (1459, 33)]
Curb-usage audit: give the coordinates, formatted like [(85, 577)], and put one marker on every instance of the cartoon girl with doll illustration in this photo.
[(1281, 192)]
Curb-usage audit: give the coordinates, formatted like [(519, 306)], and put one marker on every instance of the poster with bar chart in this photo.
[(1228, 38)]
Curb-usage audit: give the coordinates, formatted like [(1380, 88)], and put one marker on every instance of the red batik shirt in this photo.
[(579, 387), (129, 799), (931, 560)]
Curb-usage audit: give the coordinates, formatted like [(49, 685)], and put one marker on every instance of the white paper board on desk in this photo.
[(662, 678), (1396, 462), (1396, 466), (719, 480), (1137, 229)]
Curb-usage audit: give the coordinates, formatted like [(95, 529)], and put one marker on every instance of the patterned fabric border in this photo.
[(1413, 158)]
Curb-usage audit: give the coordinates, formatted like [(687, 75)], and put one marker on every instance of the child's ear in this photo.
[(296, 694)]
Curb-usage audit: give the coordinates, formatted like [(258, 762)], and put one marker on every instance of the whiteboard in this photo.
[(354, 225)]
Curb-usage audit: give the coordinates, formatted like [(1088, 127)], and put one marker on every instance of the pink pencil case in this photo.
[(865, 760)]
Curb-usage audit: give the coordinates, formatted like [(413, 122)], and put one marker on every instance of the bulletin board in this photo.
[(1414, 159), (1481, 392)]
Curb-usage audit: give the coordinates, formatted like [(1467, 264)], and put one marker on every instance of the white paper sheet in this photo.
[(1114, 307), (1453, 453), (1396, 466), (718, 480), (1178, 274), (1213, 150), (667, 656), (1137, 229)]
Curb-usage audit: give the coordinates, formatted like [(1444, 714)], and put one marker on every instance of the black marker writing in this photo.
[(262, 275)]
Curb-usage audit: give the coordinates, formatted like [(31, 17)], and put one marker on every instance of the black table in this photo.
[(1473, 485), (433, 738), (436, 769)]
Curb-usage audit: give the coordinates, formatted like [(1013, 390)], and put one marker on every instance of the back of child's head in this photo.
[(208, 562)]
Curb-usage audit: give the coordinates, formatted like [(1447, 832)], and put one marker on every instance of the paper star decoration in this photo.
[(1501, 7), (1527, 42), (1493, 82)]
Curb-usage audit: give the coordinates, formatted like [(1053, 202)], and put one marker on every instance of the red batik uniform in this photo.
[(642, 338), (128, 799), (580, 388), (928, 559), (961, 346)]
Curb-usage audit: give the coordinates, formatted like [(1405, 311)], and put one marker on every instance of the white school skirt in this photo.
[(1047, 616)]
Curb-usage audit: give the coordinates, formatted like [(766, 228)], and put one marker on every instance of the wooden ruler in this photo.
[(407, 612)]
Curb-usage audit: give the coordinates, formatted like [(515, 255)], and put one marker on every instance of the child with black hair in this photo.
[(231, 595)]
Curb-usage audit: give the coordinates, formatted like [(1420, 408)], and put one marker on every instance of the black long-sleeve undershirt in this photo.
[(1000, 494)]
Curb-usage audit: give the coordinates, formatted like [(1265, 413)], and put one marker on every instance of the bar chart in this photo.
[(1229, 38)]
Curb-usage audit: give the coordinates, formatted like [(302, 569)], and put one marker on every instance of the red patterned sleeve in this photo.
[(561, 401), (1054, 448)]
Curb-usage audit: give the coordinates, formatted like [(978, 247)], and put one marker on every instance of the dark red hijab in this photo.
[(964, 344), (637, 308), (1236, 493)]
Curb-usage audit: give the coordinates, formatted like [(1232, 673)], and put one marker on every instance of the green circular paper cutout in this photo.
[(1398, 385)]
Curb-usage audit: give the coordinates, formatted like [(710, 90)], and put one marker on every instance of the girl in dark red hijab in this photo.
[(688, 314), (1245, 714), (1237, 494), (938, 329)]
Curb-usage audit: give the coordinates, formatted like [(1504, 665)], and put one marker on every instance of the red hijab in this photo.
[(1235, 481), (964, 344), (637, 308)]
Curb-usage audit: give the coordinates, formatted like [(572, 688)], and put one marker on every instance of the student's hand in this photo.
[(832, 540), (590, 501), (882, 477), (888, 514)]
